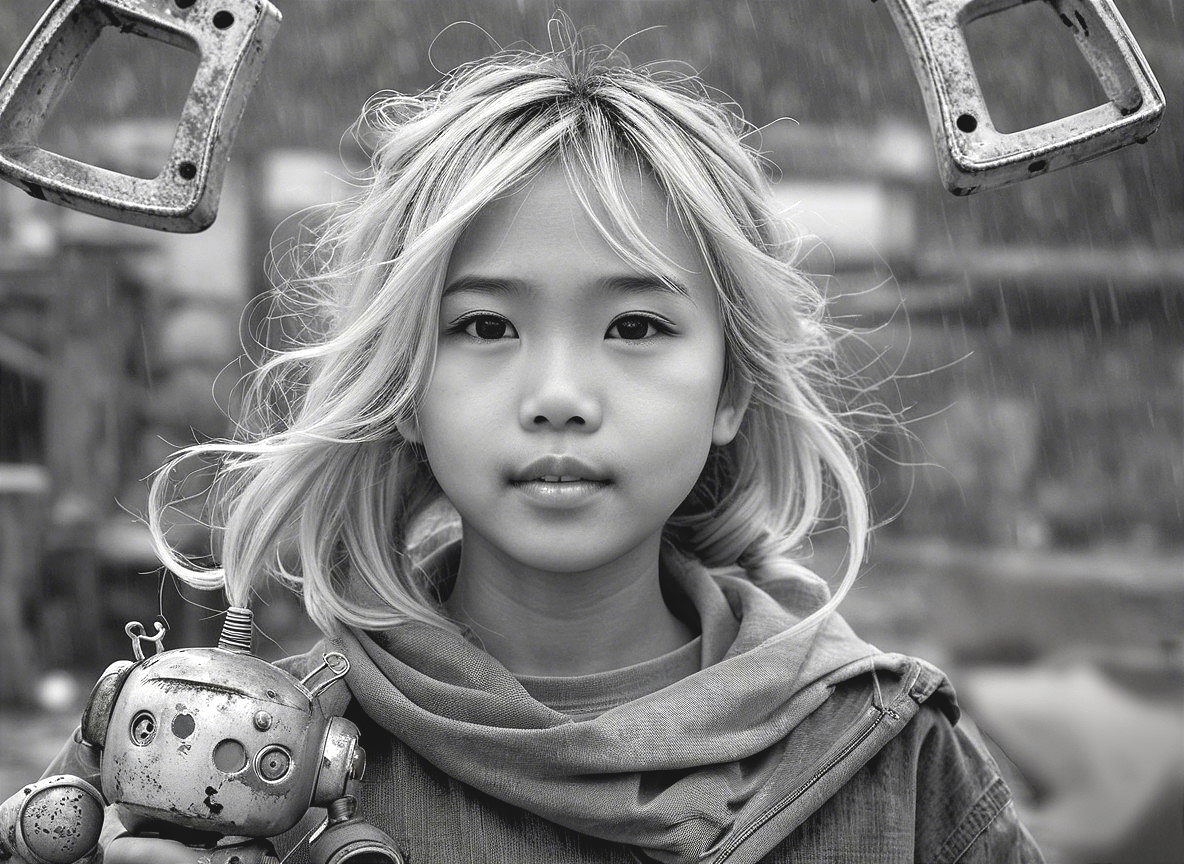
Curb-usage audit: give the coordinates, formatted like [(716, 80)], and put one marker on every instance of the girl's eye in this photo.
[(636, 327), (486, 326)]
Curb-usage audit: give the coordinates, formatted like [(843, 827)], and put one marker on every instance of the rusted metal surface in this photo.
[(221, 742), (344, 838), (203, 745), (972, 154), (56, 820), (96, 718), (231, 38)]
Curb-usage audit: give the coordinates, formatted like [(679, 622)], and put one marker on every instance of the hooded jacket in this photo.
[(816, 747)]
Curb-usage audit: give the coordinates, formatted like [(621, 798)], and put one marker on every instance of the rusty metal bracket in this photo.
[(972, 154), (230, 37)]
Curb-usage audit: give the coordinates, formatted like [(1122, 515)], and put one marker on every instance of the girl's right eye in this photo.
[(485, 326)]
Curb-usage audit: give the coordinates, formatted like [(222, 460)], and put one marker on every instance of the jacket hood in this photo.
[(717, 767)]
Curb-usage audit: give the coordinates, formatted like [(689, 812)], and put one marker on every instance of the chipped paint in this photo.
[(216, 698), (183, 197), (972, 155)]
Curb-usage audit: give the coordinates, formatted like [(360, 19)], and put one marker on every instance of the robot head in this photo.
[(218, 741)]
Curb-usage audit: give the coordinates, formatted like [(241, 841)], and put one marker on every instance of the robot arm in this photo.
[(57, 820)]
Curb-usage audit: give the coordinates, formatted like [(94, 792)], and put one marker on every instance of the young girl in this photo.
[(565, 308)]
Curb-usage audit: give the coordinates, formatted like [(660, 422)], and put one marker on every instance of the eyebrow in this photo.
[(625, 284), (632, 284)]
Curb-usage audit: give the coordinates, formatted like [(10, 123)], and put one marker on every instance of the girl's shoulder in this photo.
[(335, 698), (932, 793), (301, 665), (965, 809)]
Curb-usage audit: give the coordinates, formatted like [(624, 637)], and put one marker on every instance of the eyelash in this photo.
[(461, 325), (660, 325)]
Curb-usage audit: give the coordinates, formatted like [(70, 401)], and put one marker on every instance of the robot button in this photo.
[(274, 763)]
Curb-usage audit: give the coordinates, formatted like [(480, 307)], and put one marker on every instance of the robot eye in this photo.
[(143, 728), (274, 763)]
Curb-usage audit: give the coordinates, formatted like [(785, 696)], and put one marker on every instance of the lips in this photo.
[(559, 469)]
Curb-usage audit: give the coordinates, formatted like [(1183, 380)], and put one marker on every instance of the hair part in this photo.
[(323, 492)]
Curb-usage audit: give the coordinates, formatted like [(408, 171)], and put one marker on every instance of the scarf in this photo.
[(669, 773)]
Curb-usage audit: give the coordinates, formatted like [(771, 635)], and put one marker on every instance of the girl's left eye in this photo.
[(485, 326), (635, 327)]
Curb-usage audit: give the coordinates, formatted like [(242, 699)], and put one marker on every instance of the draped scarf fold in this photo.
[(670, 772)]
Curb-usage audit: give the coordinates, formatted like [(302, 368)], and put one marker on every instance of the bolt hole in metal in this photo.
[(183, 725), (143, 728), (184, 4), (230, 756), (223, 19), (967, 122), (187, 170)]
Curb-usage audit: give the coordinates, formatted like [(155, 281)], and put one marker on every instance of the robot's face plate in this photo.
[(215, 741)]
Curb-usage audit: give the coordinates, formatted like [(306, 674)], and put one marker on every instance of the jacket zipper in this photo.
[(801, 790)]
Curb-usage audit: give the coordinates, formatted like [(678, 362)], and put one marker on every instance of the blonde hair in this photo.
[(323, 497)]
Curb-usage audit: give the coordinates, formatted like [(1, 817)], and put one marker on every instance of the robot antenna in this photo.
[(136, 632)]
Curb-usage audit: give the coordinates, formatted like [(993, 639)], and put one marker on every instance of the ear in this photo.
[(733, 402), (410, 431)]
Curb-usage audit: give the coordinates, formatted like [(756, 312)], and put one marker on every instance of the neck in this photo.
[(537, 622)]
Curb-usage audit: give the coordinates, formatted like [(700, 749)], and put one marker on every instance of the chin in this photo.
[(571, 555)]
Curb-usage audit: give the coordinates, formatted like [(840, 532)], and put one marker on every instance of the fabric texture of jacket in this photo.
[(903, 785), (814, 748)]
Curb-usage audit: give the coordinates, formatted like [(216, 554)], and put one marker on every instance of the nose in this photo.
[(560, 394)]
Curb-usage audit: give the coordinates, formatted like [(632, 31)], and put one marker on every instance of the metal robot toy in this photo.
[(213, 747)]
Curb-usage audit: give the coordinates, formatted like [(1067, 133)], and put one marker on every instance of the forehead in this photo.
[(558, 221)]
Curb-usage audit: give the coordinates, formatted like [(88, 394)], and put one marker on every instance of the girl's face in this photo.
[(574, 398)]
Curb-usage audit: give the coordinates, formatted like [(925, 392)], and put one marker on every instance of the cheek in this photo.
[(452, 401), (457, 420), (691, 385), (669, 423)]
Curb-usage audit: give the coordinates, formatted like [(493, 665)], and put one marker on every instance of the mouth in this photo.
[(559, 471), (550, 485), (560, 482), (560, 494)]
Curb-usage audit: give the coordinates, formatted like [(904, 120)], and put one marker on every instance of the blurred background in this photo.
[(1030, 338)]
